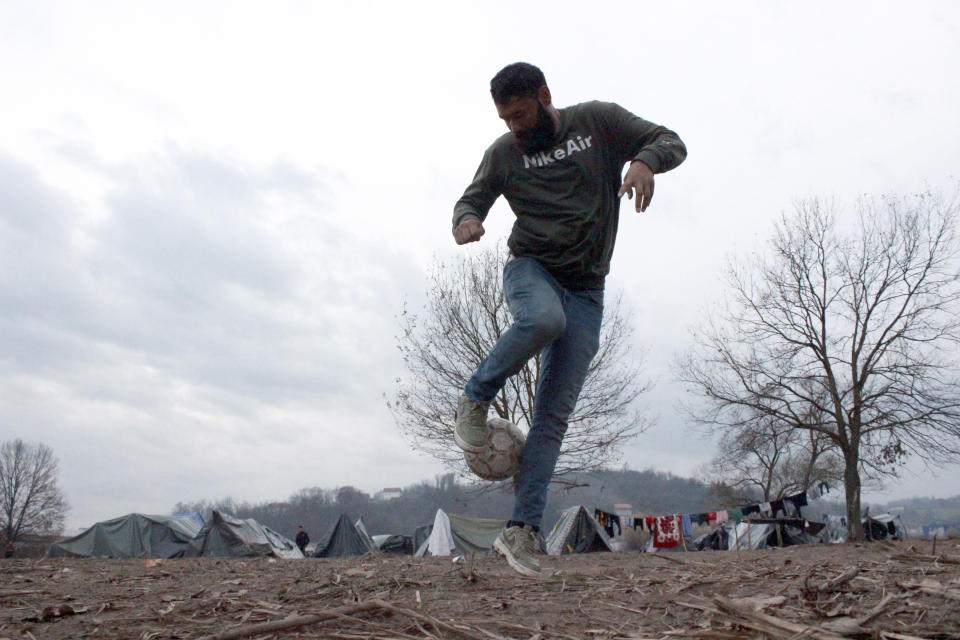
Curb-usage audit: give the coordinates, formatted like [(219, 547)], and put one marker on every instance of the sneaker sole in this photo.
[(463, 444), (501, 548)]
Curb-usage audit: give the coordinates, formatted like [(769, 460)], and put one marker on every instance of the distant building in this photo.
[(623, 510), (388, 494)]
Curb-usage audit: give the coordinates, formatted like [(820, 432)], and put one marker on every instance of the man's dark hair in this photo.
[(518, 79)]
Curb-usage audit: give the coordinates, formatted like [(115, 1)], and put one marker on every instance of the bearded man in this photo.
[(560, 171)]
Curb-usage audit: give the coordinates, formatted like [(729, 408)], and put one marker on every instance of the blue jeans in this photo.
[(564, 327)]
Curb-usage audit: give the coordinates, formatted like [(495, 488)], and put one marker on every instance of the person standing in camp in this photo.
[(560, 171), (302, 539)]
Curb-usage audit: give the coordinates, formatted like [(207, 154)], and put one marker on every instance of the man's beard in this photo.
[(540, 136)]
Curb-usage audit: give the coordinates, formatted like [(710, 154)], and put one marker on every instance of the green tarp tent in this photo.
[(344, 539), (226, 536), (130, 536), (576, 531), (396, 544), (460, 534)]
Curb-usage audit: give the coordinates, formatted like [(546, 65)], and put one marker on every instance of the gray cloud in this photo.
[(213, 305)]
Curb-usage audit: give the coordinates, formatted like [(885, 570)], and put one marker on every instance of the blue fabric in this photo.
[(563, 326)]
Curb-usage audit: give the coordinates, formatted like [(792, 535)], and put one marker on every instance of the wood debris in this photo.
[(815, 592)]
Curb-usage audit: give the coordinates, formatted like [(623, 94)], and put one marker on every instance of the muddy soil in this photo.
[(878, 590)]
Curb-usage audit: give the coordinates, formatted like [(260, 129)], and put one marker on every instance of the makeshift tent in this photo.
[(420, 535), (362, 530), (130, 536), (761, 534), (396, 544), (883, 526), (192, 516), (716, 540), (226, 536), (576, 531), (460, 534), (343, 539)]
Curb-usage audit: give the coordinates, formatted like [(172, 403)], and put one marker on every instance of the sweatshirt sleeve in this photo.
[(486, 187), (656, 146)]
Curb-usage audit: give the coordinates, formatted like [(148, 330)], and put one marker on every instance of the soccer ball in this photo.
[(500, 458)]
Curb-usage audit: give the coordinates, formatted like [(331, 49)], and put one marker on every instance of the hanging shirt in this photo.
[(687, 525), (736, 514), (722, 516), (565, 197)]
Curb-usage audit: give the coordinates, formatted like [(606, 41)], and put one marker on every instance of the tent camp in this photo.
[(576, 531), (226, 536), (460, 534), (344, 539), (130, 536)]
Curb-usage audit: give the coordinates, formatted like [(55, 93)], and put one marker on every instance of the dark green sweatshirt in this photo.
[(565, 198)]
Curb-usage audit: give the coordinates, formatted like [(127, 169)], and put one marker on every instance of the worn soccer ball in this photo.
[(500, 458)]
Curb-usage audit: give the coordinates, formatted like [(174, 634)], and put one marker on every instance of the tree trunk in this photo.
[(851, 485)]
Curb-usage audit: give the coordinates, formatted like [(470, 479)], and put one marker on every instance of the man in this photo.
[(302, 539), (560, 171)]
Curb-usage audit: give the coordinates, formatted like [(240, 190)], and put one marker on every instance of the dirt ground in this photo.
[(878, 590)]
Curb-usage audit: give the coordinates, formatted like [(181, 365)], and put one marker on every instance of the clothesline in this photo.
[(667, 530)]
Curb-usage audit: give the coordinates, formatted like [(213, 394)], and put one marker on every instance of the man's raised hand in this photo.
[(639, 178), (469, 230)]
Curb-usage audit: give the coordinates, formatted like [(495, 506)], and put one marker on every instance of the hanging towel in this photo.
[(668, 532), (687, 525)]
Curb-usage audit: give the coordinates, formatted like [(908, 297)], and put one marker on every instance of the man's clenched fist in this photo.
[(469, 230)]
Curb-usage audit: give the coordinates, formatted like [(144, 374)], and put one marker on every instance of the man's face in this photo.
[(529, 122)]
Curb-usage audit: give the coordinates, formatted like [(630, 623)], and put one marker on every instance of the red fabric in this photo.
[(668, 531), (712, 517)]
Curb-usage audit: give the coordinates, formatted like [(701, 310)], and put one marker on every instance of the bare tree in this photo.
[(846, 331), (465, 314), (29, 496), (773, 459)]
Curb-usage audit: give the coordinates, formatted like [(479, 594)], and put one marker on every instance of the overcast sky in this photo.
[(211, 213)]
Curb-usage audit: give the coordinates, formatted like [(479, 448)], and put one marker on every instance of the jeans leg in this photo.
[(563, 369), (538, 318)]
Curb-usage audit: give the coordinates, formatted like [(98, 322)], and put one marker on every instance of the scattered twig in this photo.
[(519, 627), (914, 557), (292, 622), (13, 594), (746, 616), (661, 556), (425, 618), (934, 588), (890, 635)]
